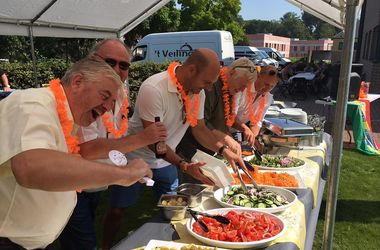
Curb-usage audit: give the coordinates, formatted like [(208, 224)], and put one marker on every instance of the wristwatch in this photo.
[(222, 148)]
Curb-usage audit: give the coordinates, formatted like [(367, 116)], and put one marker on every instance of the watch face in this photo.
[(117, 158)]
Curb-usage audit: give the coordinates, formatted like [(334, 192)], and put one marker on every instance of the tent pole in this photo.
[(33, 54), (339, 124)]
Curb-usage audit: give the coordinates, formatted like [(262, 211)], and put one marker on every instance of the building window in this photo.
[(340, 46), (295, 48)]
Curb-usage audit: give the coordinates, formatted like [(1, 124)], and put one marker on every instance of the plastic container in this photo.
[(215, 169)]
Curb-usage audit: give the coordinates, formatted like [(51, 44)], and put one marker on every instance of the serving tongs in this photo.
[(243, 186), (219, 218), (201, 223), (257, 153), (249, 177)]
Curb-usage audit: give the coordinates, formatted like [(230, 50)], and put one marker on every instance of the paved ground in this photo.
[(307, 103)]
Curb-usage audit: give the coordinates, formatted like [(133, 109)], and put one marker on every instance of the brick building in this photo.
[(369, 40), (287, 46)]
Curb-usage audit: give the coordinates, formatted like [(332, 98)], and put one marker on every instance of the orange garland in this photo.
[(72, 142), (256, 117), (229, 113), (191, 107), (106, 118)]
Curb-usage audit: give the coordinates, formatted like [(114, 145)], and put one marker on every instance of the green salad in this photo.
[(262, 198), (277, 161)]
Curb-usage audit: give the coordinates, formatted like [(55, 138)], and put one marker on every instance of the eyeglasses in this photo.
[(270, 72), (250, 68), (123, 65)]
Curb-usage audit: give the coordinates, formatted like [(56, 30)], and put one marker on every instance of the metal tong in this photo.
[(220, 218), (257, 153), (201, 223), (249, 177)]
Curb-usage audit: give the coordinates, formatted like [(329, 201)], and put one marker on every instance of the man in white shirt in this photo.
[(163, 95), (96, 141), (38, 177)]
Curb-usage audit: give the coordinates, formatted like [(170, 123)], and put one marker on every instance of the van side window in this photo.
[(139, 53)]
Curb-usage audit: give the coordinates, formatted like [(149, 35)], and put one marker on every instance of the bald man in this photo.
[(177, 97)]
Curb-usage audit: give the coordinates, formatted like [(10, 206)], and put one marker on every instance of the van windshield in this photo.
[(263, 54)]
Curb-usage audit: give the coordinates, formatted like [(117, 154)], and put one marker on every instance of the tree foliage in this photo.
[(164, 20), (318, 27), (291, 25), (211, 15)]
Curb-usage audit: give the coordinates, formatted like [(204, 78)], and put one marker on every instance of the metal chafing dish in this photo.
[(287, 132)]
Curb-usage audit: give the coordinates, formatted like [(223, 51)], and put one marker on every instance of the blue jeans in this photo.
[(79, 233), (165, 182)]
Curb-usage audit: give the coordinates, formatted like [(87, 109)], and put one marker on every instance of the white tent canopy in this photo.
[(330, 11), (74, 18)]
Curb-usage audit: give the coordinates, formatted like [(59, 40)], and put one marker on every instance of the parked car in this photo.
[(275, 54)]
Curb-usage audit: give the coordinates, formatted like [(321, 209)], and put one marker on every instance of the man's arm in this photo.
[(52, 170), (212, 140), (99, 148)]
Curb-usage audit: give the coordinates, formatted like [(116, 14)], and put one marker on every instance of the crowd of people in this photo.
[(55, 141)]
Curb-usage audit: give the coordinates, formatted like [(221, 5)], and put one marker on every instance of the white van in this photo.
[(273, 53), (255, 55), (169, 46)]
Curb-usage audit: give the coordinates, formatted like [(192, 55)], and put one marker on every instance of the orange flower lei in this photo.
[(255, 117), (191, 107), (72, 142), (229, 113), (124, 120)]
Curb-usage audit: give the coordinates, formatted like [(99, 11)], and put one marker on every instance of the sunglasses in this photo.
[(270, 72), (123, 65), (250, 68)]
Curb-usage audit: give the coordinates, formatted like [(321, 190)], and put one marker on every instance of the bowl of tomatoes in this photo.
[(247, 228)]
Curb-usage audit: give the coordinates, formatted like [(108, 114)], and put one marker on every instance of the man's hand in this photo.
[(7, 88), (233, 159), (135, 171), (153, 133), (194, 170), (233, 145), (249, 136)]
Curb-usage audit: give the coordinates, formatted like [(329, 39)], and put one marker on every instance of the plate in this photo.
[(297, 176), (152, 244), (215, 169), (237, 245), (289, 195), (248, 158)]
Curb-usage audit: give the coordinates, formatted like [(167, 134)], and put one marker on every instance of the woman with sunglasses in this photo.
[(254, 104)]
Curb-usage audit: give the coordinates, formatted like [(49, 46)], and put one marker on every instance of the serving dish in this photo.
[(171, 245), (275, 204), (173, 207), (252, 218), (277, 162)]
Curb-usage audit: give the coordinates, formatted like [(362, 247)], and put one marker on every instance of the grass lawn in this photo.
[(357, 217), (357, 224)]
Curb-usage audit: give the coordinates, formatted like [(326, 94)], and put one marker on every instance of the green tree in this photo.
[(15, 48), (211, 15), (317, 27), (293, 27), (262, 26), (164, 20)]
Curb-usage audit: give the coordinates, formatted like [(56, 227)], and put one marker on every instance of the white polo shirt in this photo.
[(242, 110), (29, 217), (158, 96)]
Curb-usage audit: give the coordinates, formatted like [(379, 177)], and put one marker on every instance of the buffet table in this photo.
[(300, 219)]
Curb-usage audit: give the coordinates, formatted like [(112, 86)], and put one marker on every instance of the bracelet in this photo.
[(222, 148), (6, 86)]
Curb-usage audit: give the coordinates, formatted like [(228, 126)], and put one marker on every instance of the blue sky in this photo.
[(266, 9)]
